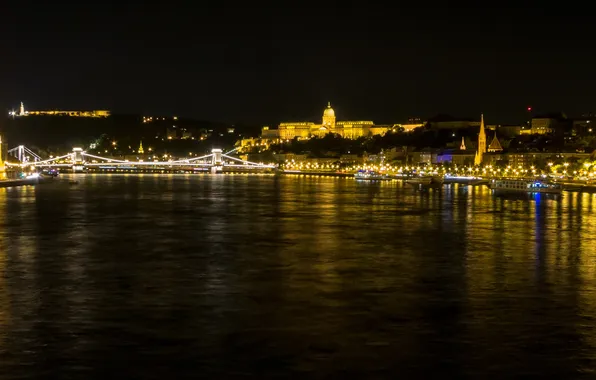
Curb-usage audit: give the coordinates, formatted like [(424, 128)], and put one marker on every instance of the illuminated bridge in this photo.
[(79, 161)]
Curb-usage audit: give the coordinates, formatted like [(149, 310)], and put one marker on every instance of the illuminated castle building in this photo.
[(329, 124)]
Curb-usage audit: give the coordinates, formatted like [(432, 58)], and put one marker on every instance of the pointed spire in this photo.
[(495, 145), (481, 142), (463, 144), (482, 136), (141, 150), (328, 104)]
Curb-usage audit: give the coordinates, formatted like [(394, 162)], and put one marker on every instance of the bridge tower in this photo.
[(21, 153), (216, 161), (78, 163)]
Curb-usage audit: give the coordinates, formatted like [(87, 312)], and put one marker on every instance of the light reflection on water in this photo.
[(151, 276)]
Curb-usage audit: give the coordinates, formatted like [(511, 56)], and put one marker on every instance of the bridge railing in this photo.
[(79, 157)]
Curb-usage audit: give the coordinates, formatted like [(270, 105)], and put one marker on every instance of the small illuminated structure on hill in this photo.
[(92, 113)]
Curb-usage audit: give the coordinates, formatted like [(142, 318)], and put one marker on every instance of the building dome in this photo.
[(329, 112)]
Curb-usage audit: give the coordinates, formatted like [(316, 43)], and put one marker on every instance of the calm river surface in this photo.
[(160, 277)]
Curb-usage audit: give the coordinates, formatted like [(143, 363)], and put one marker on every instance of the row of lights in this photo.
[(487, 170)]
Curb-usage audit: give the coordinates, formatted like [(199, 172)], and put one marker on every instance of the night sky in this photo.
[(264, 64)]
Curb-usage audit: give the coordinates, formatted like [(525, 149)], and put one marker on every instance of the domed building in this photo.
[(305, 130), (329, 117)]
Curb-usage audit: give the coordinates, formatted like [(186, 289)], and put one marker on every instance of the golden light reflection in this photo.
[(5, 316), (529, 253)]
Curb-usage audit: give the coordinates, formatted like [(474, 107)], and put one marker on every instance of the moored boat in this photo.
[(525, 185), (369, 175), (426, 181)]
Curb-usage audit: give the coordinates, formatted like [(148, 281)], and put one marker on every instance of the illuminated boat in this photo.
[(466, 180), (50, 172), (426, 181), (369, 175), (525, 185)]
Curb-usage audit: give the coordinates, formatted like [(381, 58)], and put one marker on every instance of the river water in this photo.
[(220, 276)]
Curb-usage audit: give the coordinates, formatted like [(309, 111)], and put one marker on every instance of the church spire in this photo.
[(481, 142), (141, 150), (463, 144)]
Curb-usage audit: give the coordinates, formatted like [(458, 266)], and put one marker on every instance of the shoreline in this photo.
[(21, 182), (567, 186)]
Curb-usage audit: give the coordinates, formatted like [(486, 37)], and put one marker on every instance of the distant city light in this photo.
[(529, 109)]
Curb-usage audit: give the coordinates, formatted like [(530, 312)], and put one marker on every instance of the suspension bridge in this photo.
[(80, 161)]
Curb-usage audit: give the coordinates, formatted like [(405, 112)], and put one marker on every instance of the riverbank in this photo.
[(23, 182), (397, 177), (309, 173)]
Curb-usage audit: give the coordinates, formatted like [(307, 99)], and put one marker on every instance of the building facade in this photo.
[(329, 124), (545, 124), (2, 160), (450, 122)]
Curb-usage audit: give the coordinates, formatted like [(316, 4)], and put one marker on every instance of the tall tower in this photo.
[(141, 150), (463, 144), (22, 110), (481, 143), (329, 117)]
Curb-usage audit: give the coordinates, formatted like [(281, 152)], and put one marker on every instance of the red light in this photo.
[(529, 109)]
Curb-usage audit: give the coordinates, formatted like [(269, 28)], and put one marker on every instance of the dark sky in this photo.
[(266, 63)]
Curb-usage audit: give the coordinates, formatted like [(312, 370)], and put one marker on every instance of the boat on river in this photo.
[(525, 185), (425, 181), (369, 175)]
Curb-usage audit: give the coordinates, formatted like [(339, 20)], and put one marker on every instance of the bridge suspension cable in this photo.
[(245, 162), (51, 159), (21, 152), (79, 157), (194, 159), (103, 158)]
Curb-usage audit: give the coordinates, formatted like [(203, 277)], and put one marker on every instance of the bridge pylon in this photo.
[(216, 161), (78, 164)]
